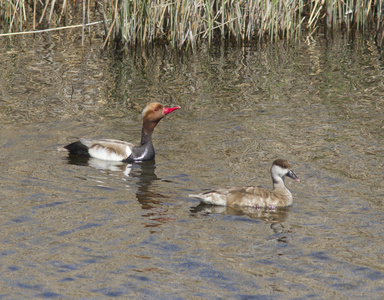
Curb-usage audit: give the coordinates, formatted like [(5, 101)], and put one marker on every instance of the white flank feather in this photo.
[(106, 154)]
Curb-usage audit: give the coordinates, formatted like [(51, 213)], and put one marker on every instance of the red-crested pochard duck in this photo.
[(115, 150), (254, 196)]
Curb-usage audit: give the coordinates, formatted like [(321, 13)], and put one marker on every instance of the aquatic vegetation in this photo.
[(187, 23)]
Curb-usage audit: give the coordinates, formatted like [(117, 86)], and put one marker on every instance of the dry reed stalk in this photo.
[(62, 10), (34, 14), (112, 26), (49, 29), (45, 8), (314, 17), (83, 23), (104, 18), (51, 11)]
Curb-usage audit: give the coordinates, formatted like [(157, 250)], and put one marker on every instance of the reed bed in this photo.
[(187, 23)]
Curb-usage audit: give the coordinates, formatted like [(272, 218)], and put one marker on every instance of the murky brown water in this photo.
[(81, 229)]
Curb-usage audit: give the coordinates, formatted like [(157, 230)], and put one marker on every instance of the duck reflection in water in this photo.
[(114, 166), (274, 217), (145, 173)]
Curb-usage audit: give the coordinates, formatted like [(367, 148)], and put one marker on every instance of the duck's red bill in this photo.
[(168, 110)]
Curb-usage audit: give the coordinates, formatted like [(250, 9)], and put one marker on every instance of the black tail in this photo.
[(77, 148)]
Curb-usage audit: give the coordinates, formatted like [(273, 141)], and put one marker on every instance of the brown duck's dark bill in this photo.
[(168, 110), (293, 176)]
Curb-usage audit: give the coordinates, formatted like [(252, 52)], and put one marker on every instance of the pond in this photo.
[(79, 228)]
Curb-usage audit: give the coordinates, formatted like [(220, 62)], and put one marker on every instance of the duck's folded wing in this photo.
[(253, 196), (218, 197), (108, 149)]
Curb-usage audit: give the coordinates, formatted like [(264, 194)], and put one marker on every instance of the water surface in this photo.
[(73, 228)]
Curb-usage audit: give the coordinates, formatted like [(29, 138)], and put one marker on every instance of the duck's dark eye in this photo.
[(283, 166)]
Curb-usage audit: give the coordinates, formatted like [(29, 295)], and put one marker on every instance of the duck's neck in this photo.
[(278, 182), (145, 150), (281, 192), (148, 127), (146, 137)]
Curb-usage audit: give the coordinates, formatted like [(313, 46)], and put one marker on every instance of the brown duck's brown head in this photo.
[(282, 167)]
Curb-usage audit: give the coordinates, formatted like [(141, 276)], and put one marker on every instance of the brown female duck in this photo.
[(254, 196)]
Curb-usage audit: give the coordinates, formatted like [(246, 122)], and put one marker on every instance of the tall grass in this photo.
[(187, 23)]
